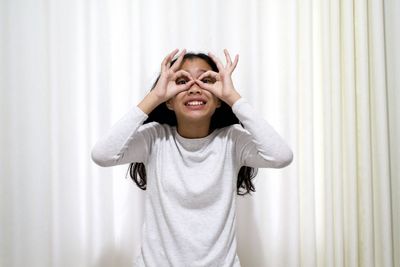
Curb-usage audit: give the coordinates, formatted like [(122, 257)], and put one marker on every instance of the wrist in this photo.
[(154, 98), (231, 99), (149, 102)]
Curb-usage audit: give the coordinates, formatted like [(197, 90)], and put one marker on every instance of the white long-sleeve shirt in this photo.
[(190, 205)]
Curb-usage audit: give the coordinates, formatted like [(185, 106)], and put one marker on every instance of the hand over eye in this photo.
[(222, 87), (167, 85), (208, 80)]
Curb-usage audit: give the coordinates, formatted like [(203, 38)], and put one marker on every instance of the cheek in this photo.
[(170, 103), (179, 97), (216, 99), (209, 94), (175, 101)]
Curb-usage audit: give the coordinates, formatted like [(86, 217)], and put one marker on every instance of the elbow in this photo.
[(99, 158), (284, 159)]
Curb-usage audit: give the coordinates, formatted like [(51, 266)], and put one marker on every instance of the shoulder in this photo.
[(155, 130), (232, 131), (238, 134)]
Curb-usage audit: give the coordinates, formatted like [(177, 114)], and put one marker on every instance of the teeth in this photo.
[(195, 103)]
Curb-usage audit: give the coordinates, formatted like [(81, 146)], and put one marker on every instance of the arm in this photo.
[(258, 144), (128, 140), (112, 149)]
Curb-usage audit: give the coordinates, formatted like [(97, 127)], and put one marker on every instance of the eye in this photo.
[(181, 81), (208, 80)]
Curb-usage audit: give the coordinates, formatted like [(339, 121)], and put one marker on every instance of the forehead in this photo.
[(195, 65)]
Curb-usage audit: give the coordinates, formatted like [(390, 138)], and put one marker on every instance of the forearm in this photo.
[(149, 103), (267, 142), (112, 148)]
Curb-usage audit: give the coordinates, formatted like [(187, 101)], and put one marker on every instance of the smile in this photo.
[(195, 103)]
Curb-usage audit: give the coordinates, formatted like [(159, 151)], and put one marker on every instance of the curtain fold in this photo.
[(323, 73), (391, 11)]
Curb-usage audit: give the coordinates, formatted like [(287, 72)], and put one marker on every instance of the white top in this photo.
[(190, 206)]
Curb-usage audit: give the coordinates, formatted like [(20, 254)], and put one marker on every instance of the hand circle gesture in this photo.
[(223, 86), (166, 86)]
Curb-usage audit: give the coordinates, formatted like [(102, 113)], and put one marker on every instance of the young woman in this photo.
[(195, 142)]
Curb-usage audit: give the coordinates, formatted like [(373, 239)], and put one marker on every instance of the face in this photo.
[(195, 104)]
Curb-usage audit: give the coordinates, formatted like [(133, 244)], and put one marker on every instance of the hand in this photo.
[(166, 86), (223, 86)]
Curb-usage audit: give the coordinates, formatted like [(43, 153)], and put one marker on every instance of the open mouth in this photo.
[(195, 103)]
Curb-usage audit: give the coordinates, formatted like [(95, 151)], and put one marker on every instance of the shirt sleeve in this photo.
[(258, 145), (125, 142)]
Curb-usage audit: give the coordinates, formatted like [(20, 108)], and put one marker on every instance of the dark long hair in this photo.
[(222, 117)]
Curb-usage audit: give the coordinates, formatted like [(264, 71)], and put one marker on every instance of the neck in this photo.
[(193, 129)]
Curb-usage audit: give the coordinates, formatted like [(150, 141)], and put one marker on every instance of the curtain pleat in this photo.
[(391, 9)]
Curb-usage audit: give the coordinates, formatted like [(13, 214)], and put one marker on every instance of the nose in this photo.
[(194, 89)]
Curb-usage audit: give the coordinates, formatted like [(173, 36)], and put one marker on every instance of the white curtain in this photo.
[(323, 73)]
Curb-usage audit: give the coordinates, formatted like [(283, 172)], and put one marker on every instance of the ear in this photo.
[(169, 105)]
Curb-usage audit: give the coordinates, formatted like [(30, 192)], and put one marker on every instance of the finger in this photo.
[(209, 73), (164, 64), (218, 62), (235, 63), (169, 57), (205, 86), (177, 63), (184, 87), (228, 57), (182, 73)]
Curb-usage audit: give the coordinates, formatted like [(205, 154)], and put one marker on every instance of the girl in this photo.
[(197, 140)]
